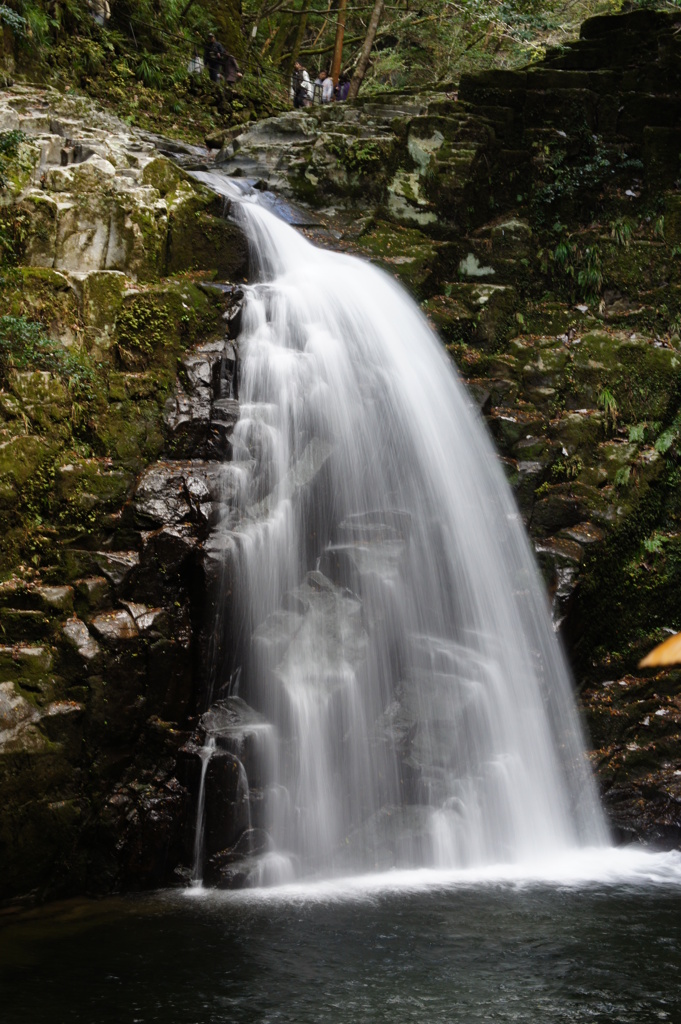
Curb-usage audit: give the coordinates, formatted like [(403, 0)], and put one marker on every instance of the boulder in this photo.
[(115, 627), (78, 636)]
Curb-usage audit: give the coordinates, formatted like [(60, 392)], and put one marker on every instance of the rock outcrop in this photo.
[(118, 388)]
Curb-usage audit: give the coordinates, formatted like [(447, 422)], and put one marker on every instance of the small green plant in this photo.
[(608, 403), (590, 276), (654, 544), (666, 439), (621, 230), (14, 22), (148, 72), (567, 469), (658, 227), (637, 433), (622, 477)]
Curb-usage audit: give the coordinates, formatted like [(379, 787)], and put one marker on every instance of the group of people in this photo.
[(222, 66), (304, 92)]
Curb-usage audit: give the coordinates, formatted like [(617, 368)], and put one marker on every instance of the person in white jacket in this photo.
[(327, 89), (301, 86)]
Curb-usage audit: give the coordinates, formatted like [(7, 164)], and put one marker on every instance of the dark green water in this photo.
[(541, 954)]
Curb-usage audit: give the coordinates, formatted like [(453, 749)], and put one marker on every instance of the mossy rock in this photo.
[(201, 240), (154, 326), (408, 254), (511, 239), (43, 295), (661, 152), (41, 212), (638, 266), (18, 170), (451, 318), (555, 318), (163, 175), (642, 377), (44, 400), (82, 485), (102, 299), (20, 458), (132, 432)]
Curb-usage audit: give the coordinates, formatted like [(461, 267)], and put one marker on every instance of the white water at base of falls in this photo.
[(421, 704)]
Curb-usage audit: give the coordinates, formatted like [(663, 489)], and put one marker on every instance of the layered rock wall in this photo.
[(116, 410)]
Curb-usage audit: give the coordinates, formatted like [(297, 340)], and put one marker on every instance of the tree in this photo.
[(338, 48), (363, 61)]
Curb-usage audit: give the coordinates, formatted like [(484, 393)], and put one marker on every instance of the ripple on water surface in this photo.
[(395, 949)]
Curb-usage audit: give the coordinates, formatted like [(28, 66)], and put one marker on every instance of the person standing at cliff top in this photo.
[(343, 88), (214, 56), (327, 89), (301, 86), (317, 87), (232, 73)]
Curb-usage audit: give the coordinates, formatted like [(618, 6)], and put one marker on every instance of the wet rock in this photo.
[(187, 418), (262, 869), (172, 493), (146, 820), (56, 599), (78, 636), (24, 624), (227, 812), (169, 550), (242, 731), (117, 566), (92, 592), (62, 722), (233, 868), (29, 666), (115, 627), (14, 710)]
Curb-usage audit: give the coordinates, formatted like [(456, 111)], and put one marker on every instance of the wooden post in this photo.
[(338, 48)]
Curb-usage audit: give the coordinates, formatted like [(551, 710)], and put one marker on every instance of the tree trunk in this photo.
[(300, 33), (338, 48), (226, 18), (363, 62)]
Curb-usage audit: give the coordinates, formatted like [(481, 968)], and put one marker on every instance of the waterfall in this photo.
[(399, 638), (207, 751)]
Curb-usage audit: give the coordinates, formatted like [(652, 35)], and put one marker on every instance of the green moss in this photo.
[(143, 330), (200, 238), (407, 253), (102, 299), (163, 175)]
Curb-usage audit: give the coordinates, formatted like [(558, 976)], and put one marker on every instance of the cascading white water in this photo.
[(421, 701)]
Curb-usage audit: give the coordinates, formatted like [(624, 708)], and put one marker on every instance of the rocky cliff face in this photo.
[(536, 217), (116, 357)]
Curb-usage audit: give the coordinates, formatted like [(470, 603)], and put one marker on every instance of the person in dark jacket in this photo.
[(343, 88), (214, 56)]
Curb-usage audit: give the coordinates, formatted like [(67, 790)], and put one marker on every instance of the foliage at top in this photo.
[(139, 63)]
